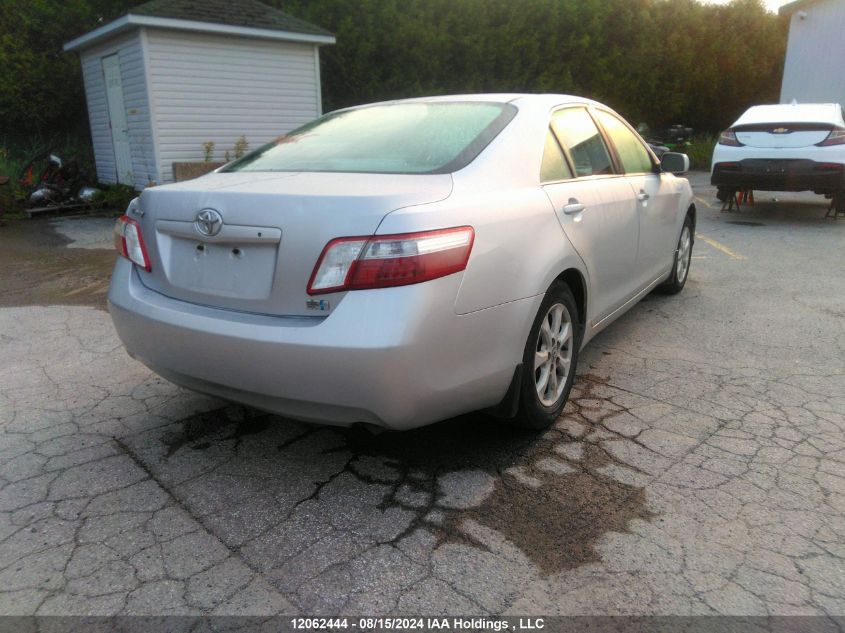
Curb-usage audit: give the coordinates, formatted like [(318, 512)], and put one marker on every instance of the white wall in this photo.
[(133, 78), (814, 71), (216, 88)]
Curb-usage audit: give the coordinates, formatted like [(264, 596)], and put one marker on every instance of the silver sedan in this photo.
[(401, 263)]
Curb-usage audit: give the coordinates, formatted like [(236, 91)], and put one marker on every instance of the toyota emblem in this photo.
[(209, 222)]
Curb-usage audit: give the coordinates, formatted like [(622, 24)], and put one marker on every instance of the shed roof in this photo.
[(249, 18), (251, 13)]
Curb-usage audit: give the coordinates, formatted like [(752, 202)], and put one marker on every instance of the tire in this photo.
[(540, 402), (680, 267), (722, 194)]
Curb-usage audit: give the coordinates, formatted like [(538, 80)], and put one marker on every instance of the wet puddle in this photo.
[(558, 524), (37, 268)]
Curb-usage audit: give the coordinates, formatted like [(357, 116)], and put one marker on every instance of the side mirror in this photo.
[(674, 163)]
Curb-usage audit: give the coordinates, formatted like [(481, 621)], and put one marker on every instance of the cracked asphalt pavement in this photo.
[(698, 469)]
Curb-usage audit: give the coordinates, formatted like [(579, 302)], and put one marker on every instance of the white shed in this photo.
[(814, 71), (172, 75)]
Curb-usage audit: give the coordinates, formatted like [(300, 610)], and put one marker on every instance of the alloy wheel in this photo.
[(553, 354), (684, 254)]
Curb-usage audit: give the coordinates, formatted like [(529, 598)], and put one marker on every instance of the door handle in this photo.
[(573, 207), (642, 196)]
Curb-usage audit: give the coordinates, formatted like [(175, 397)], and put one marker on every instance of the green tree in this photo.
[(41, 88), (660, 61)]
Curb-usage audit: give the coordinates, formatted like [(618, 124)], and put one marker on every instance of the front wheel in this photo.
[(681, 264), (551, 354)]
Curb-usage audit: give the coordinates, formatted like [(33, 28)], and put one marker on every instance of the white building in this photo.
[(172, 75), (814, 71)]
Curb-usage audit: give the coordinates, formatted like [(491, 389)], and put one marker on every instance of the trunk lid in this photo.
[(782, 135), (269, 232)]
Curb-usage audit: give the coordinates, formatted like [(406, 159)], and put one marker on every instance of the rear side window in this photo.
[(399, 138), (577, 131), (635, 158), (554, 166)]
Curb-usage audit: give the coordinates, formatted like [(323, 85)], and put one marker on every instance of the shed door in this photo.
[(117, 118)]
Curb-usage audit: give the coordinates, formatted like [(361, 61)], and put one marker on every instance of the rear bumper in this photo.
[(779, 175), (396, 358)]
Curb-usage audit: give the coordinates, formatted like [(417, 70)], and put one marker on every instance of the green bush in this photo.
[(115, 197), (657, 60), (701, 151), (241, 147), (14, 156), (208, 151), (662, 61), (11, 194), (10, 199)]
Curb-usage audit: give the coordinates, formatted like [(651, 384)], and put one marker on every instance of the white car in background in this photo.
[(792, 147)]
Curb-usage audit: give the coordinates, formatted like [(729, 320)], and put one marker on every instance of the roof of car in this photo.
[(508, 97), (793, 113), (547, 100)]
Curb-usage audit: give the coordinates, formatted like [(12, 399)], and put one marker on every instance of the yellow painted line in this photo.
[(704, 202), (719, 247)]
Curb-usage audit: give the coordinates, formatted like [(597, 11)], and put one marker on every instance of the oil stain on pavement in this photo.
[(545, 494)]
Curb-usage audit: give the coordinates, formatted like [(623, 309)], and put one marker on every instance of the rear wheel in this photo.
[(722, 194), (681, 264), (551, 354)]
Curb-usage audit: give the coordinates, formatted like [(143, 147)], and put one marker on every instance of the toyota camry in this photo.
[(401, 263)]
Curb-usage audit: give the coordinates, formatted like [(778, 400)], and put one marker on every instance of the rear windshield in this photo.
[(402, 138)]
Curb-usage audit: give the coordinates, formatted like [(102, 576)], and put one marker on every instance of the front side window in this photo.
[(400, 138), (579, 134), (634, 157), (554, 166)]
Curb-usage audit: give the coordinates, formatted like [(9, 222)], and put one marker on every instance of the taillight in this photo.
[(382, 261), (836, 137), (129, 242), (728, 137)]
